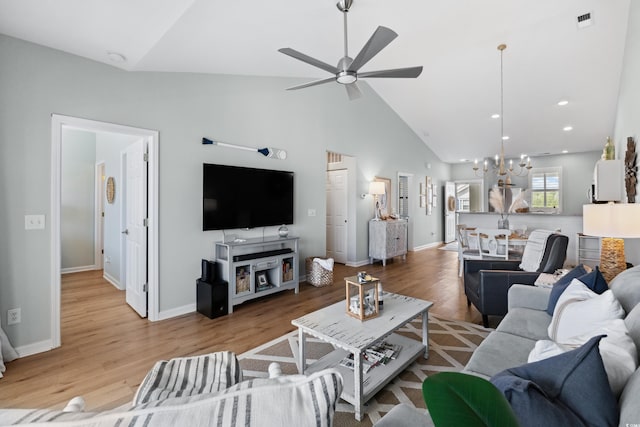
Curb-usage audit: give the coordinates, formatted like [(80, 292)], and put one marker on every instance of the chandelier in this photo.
[(503, 172)]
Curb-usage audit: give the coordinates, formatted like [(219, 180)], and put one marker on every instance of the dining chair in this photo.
[(468, 247), (494, 243)]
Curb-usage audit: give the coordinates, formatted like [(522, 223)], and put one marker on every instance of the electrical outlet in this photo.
[(34, 222), (14, 316), (311, 212)]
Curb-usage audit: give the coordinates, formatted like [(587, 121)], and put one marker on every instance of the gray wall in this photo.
[(77, 199), (577, 177), (628, 117), (36, 81)]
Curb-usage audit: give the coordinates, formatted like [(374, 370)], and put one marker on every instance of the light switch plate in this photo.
[(34, 222)]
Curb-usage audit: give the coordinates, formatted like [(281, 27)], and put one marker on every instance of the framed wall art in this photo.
[(429, 194)]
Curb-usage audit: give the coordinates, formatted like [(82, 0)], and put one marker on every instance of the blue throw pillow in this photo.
[(595, 281), (562, 284), (570, 389)]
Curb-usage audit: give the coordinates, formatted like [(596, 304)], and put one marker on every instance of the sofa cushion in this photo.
[(186, 376), (561, 285), (633, 326), (300, 400), (490, 357), (526, 322), (628, 402), (626, 287), (617, 349), (570, 389), (580, 310), (405, 415)]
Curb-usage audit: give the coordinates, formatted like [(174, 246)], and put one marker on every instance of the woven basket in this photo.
[(316, 275)]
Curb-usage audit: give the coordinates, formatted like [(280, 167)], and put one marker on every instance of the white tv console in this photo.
[(257, 267)]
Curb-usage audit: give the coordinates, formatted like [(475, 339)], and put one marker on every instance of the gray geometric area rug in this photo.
[(451, 343)]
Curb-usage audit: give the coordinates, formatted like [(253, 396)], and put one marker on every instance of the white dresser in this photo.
[(387, 239)]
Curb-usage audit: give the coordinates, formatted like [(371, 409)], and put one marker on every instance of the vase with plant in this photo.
[(497, 201)]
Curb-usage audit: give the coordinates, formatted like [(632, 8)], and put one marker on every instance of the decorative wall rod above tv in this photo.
[(274, 153)]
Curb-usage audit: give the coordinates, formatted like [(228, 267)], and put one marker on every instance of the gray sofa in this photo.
[(525, 323)]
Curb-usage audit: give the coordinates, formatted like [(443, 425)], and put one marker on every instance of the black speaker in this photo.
[(212, 298), (208, 271)]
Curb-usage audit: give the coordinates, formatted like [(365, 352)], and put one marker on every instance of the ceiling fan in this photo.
[(346, 72)]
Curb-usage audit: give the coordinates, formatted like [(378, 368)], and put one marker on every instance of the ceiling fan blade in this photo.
[(309, 60), (410, 72), (353, 91), (381, 37), (313, 83)]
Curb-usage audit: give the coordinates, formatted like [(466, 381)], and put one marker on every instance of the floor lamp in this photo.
[(613, 222), (377, 189)]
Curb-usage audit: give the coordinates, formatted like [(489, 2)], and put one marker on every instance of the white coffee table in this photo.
[(331, 324)]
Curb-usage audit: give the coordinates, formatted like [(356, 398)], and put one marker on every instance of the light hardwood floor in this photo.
[(107, 348)]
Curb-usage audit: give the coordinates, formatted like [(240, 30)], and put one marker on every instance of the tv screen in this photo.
[(239, 197)]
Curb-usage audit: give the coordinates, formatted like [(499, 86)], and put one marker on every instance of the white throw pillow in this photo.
[(618, 351), (580, 310)]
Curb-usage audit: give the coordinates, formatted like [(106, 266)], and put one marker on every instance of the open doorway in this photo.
[(63, 126)]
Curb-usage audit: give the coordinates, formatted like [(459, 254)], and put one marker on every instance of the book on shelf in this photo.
[(379, 354)]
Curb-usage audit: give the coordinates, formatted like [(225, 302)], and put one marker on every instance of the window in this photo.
[(546, 190)]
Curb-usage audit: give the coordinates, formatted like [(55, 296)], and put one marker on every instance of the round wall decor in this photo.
[(451, 204), (111, 189)]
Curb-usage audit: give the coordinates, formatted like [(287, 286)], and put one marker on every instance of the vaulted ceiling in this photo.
[(550, 57)]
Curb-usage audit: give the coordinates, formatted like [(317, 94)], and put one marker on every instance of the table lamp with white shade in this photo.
[(377, 189), (613, 222)]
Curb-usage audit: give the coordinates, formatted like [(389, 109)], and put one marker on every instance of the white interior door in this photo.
[(135, 233), (337, 215), (449, 212)]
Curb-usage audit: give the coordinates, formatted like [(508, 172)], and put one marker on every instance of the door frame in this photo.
[(58, 122), (99, 215)]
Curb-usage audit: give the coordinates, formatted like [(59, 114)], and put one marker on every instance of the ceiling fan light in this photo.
[(346, 77)]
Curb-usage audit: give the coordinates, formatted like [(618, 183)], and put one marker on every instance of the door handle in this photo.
[(125, 232)]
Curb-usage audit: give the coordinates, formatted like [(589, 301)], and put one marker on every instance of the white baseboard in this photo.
[(115, 282), (178, 311), (358, 263), (35, 348), (78, 269), (427, 246)]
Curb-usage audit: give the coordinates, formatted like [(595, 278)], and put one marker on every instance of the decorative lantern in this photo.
[(362, 297)]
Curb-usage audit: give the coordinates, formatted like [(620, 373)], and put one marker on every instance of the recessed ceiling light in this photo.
[(495, 116), (563, 102), (567, 128), (504, 138), (116, 57), (565, 151)]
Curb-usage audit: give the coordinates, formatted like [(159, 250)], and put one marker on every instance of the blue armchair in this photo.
[(487, 282)]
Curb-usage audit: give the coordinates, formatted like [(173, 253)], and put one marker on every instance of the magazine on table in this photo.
[(379, 354)]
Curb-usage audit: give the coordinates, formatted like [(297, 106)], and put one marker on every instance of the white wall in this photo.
[(77, 200), (628, 116), (36, 81)]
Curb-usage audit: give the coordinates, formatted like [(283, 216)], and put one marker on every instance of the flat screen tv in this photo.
[(239, 197)]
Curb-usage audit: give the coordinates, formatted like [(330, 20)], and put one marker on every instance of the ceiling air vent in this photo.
[(585, 20)]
